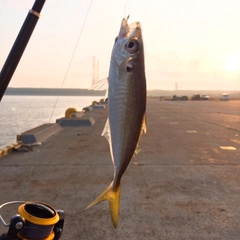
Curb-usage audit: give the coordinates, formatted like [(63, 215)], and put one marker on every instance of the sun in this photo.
[(233, 63)]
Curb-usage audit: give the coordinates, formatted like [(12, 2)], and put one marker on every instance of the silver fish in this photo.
[(126, 107)]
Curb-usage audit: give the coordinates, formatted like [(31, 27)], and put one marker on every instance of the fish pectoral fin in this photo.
[(113, 196), (106, 131), (144, 124), (107, 135)]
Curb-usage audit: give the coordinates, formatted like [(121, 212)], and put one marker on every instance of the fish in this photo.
[(126, 108)]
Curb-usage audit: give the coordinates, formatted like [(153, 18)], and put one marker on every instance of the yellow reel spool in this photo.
[(40, 219)]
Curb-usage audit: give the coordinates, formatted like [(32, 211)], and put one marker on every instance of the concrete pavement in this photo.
[(185, 185)]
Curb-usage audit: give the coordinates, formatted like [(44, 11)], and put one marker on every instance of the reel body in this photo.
[(34, 221)]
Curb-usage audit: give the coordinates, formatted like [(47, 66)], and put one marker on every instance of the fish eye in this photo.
[(132, 46)]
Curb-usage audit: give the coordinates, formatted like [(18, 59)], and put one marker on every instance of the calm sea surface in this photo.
[(21, 113)]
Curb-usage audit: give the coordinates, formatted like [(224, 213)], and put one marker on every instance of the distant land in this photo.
[(53, 92), (86, 92), (213, 94)]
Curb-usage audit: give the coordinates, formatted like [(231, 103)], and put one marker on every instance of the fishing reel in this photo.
[(34, 221)]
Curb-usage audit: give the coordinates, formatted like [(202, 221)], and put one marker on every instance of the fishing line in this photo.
[(127, 11), (71, 59), (26, 183)]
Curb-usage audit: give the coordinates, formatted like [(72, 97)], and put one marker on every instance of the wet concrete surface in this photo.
[(184, 183)]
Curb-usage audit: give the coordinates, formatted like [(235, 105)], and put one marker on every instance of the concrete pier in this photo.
[(185, 183), (39, 134), (75, 121)]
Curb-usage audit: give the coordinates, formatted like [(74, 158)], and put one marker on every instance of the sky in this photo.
[(188, 44)]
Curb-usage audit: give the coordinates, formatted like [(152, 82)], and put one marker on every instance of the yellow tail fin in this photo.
[(113, 196)]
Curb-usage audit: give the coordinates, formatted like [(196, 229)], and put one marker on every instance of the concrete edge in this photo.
[(98, 106), (40, 133), (75, 122), (77, 114), (87, 109)]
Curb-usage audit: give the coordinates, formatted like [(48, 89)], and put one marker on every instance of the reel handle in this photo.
[(16, 224)]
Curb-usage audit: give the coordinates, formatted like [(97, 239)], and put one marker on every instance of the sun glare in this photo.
[(233, 63)]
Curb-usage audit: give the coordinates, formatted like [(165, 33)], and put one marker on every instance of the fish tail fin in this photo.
[(113, 196)]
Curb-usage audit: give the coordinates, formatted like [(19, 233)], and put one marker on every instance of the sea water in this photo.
[(21, 113)]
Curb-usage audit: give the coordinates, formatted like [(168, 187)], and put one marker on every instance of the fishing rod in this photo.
[(19, 46), (34, 221)]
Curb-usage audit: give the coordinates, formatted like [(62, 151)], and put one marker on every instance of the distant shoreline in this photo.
[(53, 92), (86, 92)]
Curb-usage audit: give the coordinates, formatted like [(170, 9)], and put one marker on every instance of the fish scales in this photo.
[(125, 136), (126, 107)]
